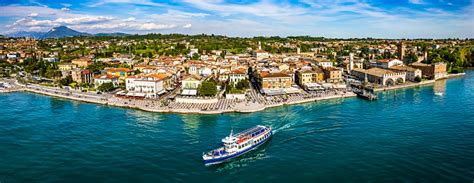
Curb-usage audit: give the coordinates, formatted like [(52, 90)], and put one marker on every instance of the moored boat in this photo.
[(238, 144)]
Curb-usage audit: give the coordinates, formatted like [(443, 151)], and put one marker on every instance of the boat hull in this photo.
[(223, 159)]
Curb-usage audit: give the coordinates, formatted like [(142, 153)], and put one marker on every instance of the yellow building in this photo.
[(82, 62), (67, 66), (122, 73)]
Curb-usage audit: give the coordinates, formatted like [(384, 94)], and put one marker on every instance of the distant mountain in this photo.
[(62, 31), (116, 34), (32, 34)]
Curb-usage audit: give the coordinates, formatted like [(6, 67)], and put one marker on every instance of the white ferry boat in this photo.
[(238, 144)]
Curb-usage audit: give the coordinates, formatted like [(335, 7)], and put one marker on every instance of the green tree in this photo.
[(106, 87), (66, 81), (195, 56), (207, 88), (242, 84)]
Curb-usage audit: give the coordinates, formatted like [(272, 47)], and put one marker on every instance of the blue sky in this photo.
[(328, 18)]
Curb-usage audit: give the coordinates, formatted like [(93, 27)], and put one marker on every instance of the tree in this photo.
[(195, 56), (418, 79), (106, 87), (207, 88), (242, 84), (66, 81)]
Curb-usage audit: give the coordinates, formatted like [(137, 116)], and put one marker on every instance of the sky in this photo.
[(247, 18)]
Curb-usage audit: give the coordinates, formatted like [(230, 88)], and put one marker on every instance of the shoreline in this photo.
[(184, 111), (412, 85), (110, 101)]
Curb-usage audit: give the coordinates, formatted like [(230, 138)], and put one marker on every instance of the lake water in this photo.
[(407, 135)]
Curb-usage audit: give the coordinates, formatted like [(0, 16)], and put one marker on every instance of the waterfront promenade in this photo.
[(253, 102)]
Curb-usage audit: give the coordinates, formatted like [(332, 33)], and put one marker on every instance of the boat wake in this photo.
[(287, 121), (243, 161), (284, 127)]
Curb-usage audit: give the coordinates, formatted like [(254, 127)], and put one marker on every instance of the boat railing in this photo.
[(217, 152)]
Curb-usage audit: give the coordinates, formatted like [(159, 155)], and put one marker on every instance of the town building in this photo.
[(386, 63), (82, 76), (106, 78), (412, 73), (149, 86), (67, 66), (332, 74), (379, 76), (190, 85), (122, 73), (237, 75), (275, 83), (432, 71), (325, 64), (83, 62)]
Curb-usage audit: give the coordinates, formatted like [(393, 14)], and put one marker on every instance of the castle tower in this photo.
[(401, 51), (259, 45)]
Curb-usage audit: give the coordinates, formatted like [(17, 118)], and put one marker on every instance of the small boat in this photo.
[(439, 93), (365, 94), (238, 144)]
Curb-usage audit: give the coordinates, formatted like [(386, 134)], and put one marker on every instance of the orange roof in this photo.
[(273, 75), (238, 71), (158, 76), (109, 69), (106, 76), (260, 51)]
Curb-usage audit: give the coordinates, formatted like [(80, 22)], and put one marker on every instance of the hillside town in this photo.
[(185, 74)]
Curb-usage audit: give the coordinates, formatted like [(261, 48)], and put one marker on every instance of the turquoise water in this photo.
[(407, 135)]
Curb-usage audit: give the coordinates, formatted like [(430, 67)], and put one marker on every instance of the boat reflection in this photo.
[(440, 87)]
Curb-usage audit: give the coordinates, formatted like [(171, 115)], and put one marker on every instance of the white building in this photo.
[(50, 59), (325, 64), (149, 87), (237, 75), (193, 51), (387, 63), (12, 55), (106, 78), (190, 85)]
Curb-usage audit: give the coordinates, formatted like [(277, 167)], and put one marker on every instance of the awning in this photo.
[(292, 90), (313, 86), (189, 92), (135, 94), (161, 92), (273, 91)]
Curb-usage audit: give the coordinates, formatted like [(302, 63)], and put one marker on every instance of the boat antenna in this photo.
[(231, 132)]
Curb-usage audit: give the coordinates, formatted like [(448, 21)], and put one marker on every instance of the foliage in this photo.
[(97, 67), (418, 79), (242, 84), (43, 68), (106, 87), (454, 57), (66, 81), (208, 88)]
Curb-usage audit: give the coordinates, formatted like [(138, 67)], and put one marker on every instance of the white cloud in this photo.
[(137, 2), (261, 8), (83, 20), (126, 26), (33, 15), (340, 18), (417, 1), (65, 9)]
